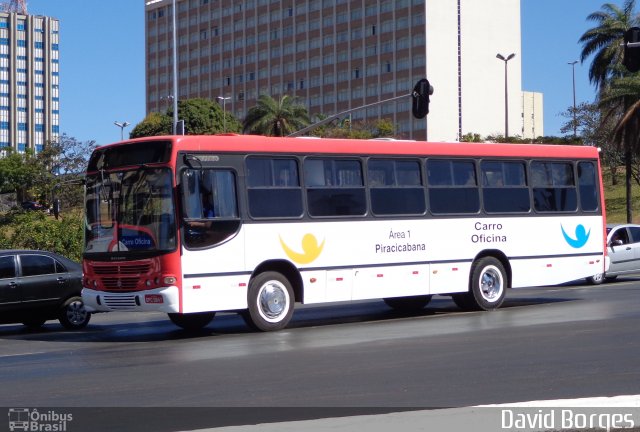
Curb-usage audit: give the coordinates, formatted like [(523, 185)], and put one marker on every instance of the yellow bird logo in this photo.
[(310, 249)]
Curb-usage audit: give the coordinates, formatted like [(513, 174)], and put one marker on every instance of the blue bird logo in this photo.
[(581, 237)]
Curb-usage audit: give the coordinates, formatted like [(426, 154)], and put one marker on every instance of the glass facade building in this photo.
[(29, 81)]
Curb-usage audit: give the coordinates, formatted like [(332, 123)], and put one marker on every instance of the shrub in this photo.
[(37, 230)]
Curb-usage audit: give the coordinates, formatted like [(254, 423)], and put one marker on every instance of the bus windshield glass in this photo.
[(130, 212)]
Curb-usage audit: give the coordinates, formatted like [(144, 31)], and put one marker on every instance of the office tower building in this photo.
[(29, 81), (336, 55)]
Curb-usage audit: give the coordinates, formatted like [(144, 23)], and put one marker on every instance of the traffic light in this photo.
[(631, 58), (420, 96)]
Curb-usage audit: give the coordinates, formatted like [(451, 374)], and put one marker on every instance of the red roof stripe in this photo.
[(261, 144)]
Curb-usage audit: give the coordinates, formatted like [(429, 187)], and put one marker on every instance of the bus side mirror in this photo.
[(631, 59), (420, 96), (56, 207)]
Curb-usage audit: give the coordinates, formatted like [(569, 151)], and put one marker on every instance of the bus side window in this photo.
[(209, 207), (587, 186), (504, 187), (553, 187), (273, 180), (452, 186), (335, 187), (395, 187)]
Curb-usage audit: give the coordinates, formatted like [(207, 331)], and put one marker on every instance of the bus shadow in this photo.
[(225, 324)]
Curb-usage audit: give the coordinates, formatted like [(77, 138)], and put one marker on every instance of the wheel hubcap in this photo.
[(76, 313), (491, 284), (273, 301)]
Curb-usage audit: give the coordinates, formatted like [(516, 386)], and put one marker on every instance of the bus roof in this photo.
[(304, 145)]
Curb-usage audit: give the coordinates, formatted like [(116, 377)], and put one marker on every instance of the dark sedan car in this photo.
[(36, 286)]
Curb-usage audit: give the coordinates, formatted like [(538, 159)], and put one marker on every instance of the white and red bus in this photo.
[(193, 225)]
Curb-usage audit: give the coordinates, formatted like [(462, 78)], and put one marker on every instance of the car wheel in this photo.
[(192, 321), (34, 323), (610, 278), (270, 299), (73, 315), (596, 279), (408, 304)]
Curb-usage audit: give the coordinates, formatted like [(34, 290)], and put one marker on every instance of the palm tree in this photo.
[(603, 42), (276, 117), (605, 39)]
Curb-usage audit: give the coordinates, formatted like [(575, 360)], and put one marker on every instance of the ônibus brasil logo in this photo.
[(26, 419), (579, 239)]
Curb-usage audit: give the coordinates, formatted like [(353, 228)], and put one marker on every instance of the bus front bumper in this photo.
[(166, 299)]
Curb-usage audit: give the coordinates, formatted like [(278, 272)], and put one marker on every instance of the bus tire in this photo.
[(488, 284), (192, 321), (408, 304), (270, 299), (464, 301)]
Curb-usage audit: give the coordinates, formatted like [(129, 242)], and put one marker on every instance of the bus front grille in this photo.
[(112, 269), (120, 284), (120, 302)]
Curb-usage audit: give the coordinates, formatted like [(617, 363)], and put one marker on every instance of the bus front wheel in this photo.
[(192, 321), (270, 299), (487, 286)]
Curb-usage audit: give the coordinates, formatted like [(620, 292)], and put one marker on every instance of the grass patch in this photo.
[(616, 201)]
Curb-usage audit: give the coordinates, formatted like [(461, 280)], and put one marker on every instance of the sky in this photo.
[(102, 61)]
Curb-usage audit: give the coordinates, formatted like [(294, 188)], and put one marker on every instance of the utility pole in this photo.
[(575, 124)]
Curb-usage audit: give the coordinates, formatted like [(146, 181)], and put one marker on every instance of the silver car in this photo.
[(623, 247)]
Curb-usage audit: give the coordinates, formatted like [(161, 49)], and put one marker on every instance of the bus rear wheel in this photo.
[(270, 299), (408, 304), (487, 286), (192, 321)]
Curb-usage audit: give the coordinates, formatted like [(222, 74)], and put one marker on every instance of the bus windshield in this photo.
[(130, 211)]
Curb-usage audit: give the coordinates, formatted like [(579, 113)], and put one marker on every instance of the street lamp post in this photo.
[(224, 111), (506, 92), (175, 69), (121, 125), (573, 74)]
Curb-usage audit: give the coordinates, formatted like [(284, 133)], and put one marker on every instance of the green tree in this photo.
[(596, 130), (622, 101), (382, 128), (471, 137), (34, 177), (60, 168), (273, 117), (37, 230), (18, 172), (201, 117), (154, 124), (603, 42)]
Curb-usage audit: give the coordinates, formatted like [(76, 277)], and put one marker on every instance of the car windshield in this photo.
[(130, 211)]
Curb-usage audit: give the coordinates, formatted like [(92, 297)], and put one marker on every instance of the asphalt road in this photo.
[(545, 343)]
